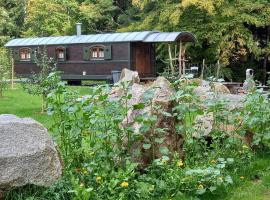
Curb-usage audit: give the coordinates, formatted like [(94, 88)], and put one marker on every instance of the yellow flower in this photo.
[(245, 147), (213, 161), (242, 177), (98, 179), (85, 171), (180, 163), (124, 184), (200, 186)]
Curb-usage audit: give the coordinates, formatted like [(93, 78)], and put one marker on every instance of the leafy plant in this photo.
[(42, 81), (4, 69)]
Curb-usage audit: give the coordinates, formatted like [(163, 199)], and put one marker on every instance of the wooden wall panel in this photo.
[(75, 63), (101, 68)]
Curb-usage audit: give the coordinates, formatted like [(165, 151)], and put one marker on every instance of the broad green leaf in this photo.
[(146, 146)]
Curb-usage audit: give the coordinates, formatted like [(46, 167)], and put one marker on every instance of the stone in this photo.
[(220, 92), (161, 96), (128, 75), (219, 88), (208, 88), (132, 77), (28, 155), (204, 125)]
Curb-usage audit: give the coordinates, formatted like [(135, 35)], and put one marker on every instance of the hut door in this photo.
[(142, 58)]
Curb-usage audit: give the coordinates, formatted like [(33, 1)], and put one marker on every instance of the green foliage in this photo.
[(98, 16), (45, 79), (234, 32), (96, 152), (47, 18), (5, 68), (256, 119), (96, 149)]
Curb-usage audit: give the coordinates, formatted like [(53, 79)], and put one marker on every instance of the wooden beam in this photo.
[(12, 70), (180, 60), (203, 66), (170, 59)]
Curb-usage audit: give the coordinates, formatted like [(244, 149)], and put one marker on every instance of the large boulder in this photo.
[(215, 91), (209, 93), (28, 155), (161, 97)]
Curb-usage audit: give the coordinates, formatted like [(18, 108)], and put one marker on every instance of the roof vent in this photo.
[(79, 29)]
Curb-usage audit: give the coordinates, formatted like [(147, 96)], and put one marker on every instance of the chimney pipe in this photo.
[(79, 29)]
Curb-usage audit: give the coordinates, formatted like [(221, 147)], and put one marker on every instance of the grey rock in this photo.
[(128, 75), (28, 155), (162, 94)]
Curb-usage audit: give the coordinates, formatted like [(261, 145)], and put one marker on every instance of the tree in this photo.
[(225, 30), (4, 69), (98, 16), (39, 83), (50, 17)]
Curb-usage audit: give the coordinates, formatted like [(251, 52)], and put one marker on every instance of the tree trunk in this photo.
[(203, 66), (218, 70)]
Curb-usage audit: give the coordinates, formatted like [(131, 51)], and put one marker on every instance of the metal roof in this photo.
[(145, 36), (170, 37)]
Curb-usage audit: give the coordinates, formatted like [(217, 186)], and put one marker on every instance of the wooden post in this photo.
[(180, 60), (12, 72), (203, 66), (170, 59)]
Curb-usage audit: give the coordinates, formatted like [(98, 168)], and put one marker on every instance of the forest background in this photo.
[(234, 32)]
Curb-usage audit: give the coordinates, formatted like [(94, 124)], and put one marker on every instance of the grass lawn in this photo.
[(254, 186), (20, 103)]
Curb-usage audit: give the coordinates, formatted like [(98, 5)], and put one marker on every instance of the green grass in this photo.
[(20, 103), (255, 185)]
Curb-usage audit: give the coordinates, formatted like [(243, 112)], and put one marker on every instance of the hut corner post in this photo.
[(181, 60), (12, 70)]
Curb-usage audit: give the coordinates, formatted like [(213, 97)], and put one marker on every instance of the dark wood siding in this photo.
[(75, 65), (143, 58)]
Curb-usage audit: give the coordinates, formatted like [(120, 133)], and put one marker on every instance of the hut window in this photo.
[(25, 54), (60, 54), (97, 52)]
